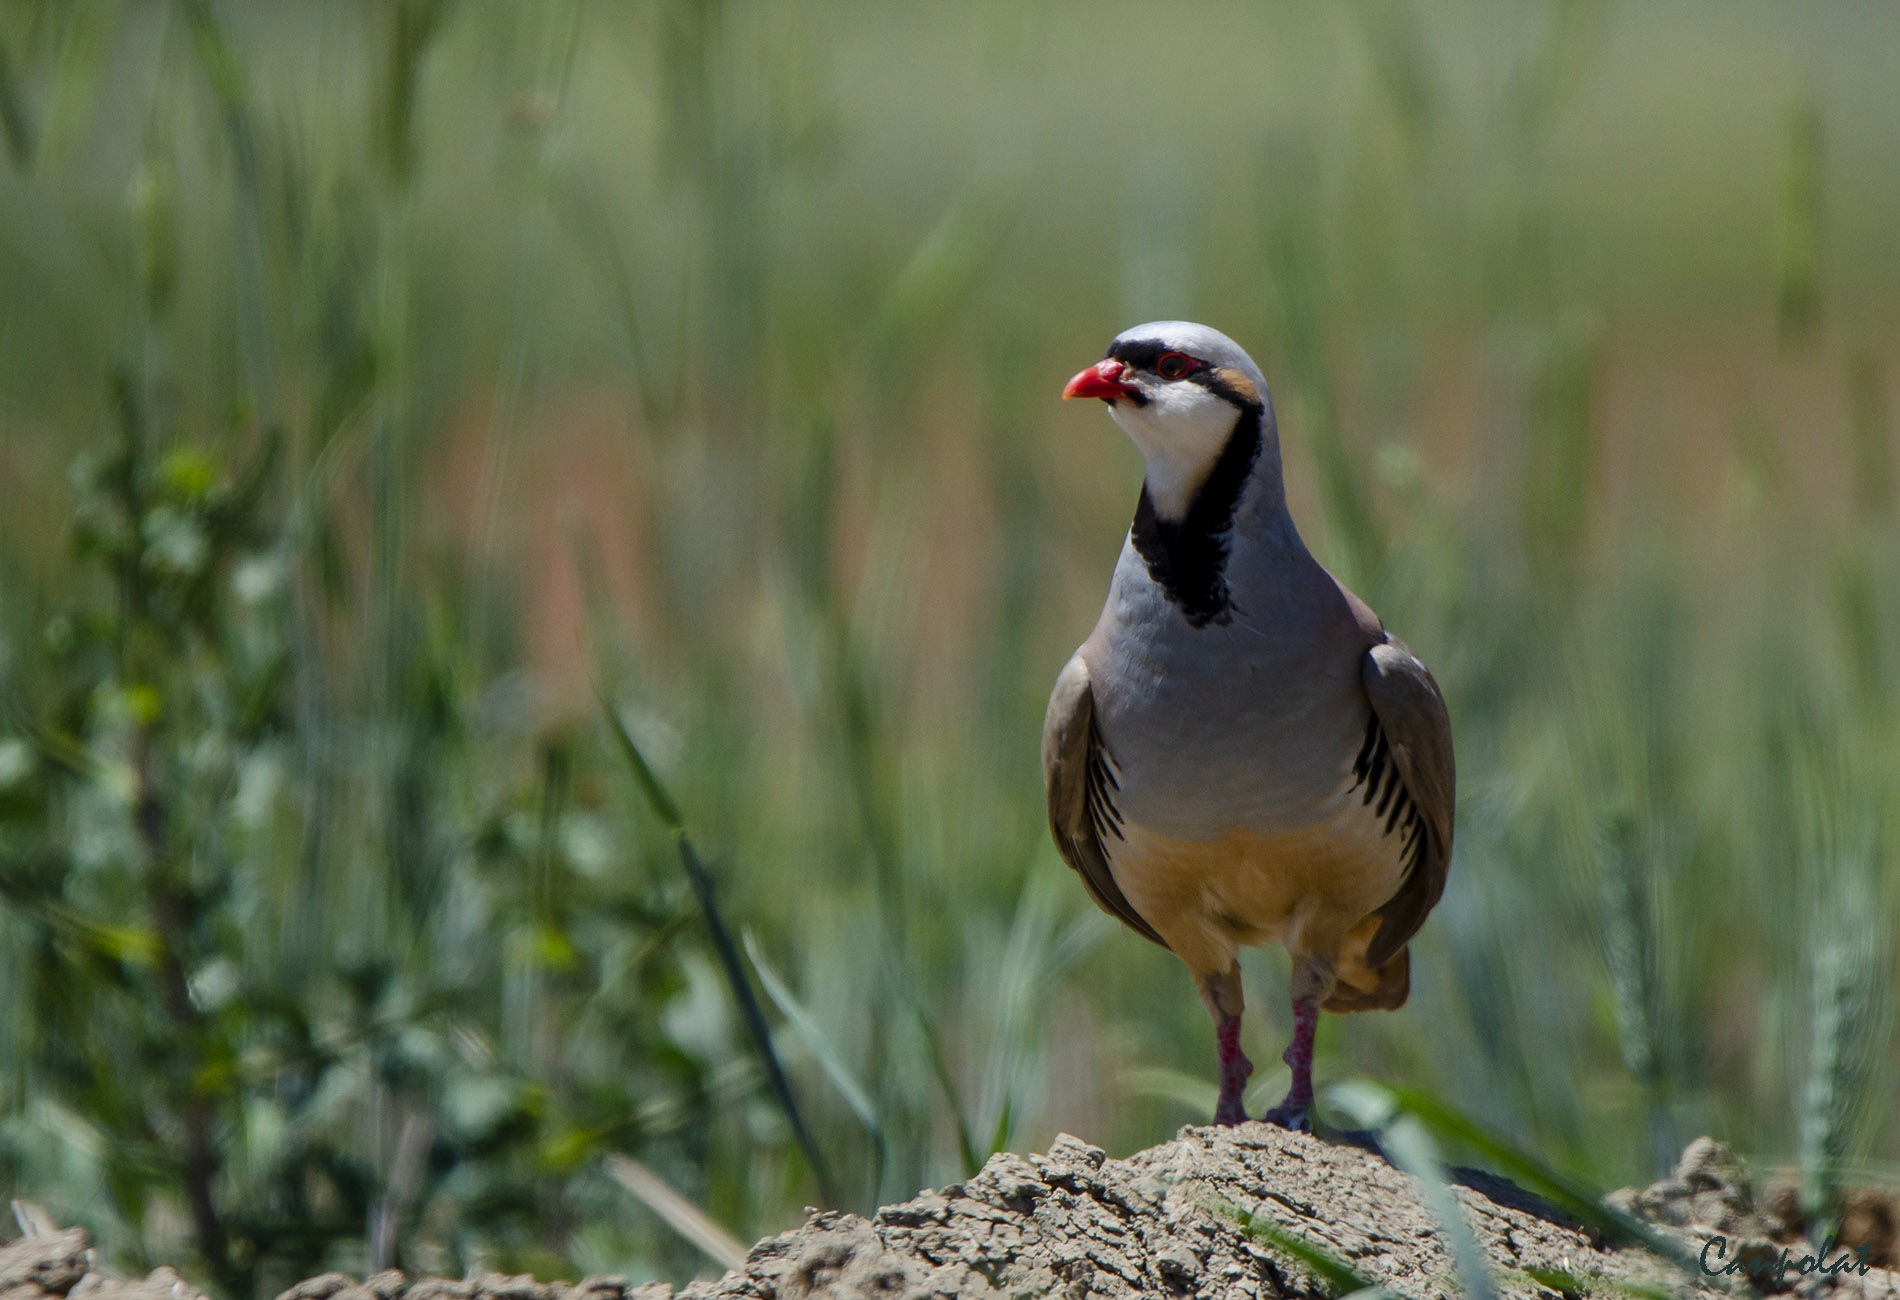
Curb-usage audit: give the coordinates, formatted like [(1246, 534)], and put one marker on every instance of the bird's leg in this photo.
[(1292, 1113), (1221, 995), (1234, 1069)]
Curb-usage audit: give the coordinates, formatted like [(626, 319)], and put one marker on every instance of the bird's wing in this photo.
[(1409, 709), (1081, 787)]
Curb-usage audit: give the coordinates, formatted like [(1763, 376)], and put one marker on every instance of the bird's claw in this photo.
[(1228, 1114)]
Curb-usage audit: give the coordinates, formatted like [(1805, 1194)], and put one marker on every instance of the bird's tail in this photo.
[(1382, 989)]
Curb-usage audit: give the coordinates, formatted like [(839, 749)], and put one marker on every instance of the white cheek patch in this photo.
[(1180, 433)]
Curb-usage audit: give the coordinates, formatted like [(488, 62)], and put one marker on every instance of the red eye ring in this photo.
[(1175, 365)]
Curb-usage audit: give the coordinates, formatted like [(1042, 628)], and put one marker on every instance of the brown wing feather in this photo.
[(1409, 709), (1080, 784)]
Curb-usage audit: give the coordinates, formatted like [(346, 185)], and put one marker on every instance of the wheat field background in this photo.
[(385, 386)]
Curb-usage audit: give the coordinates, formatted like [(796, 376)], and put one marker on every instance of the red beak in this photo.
[(1103, 380)]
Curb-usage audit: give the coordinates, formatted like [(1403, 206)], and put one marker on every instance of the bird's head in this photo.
[(1180, 391)]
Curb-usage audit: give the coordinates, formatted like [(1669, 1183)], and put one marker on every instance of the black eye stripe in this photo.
[(1139, 353), (1142, 354)]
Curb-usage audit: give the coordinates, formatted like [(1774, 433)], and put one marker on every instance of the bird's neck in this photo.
[(1184, 532)]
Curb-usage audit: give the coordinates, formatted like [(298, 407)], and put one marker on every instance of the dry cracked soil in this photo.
[(1213, 1213)]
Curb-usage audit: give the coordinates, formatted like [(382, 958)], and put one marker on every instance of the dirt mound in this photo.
[(1168, 1221), (1252, 1211), (1230, 1212)]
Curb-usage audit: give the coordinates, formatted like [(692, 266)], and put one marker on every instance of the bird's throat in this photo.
[(1186, 553)]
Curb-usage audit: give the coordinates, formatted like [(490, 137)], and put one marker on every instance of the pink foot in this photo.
[(1292, 1113), (1234, 1069)]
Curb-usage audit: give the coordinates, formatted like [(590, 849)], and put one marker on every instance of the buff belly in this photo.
[(1313, 891)]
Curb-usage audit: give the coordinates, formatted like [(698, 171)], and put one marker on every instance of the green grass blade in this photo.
[(1165, 1083), (701, 881), (1568, 1193), (823, 1050), (940, 1068), (679, 1214), (1410, 1147), (13, 120), (1339, 1277), (1563, 1283), (656, 794), (1005, 1125)]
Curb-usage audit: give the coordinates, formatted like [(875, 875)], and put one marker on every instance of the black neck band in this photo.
[(1187, 557)]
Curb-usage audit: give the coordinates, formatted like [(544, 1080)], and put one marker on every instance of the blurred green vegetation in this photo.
[(382, 386)]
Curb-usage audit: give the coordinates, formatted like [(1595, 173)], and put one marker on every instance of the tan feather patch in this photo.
[(1313, 891), (1238, 383)]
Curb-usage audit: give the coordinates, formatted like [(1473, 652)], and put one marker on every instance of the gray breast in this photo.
[(1253, 723)]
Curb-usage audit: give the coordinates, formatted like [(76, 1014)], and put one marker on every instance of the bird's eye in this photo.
[(1175, 365)]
